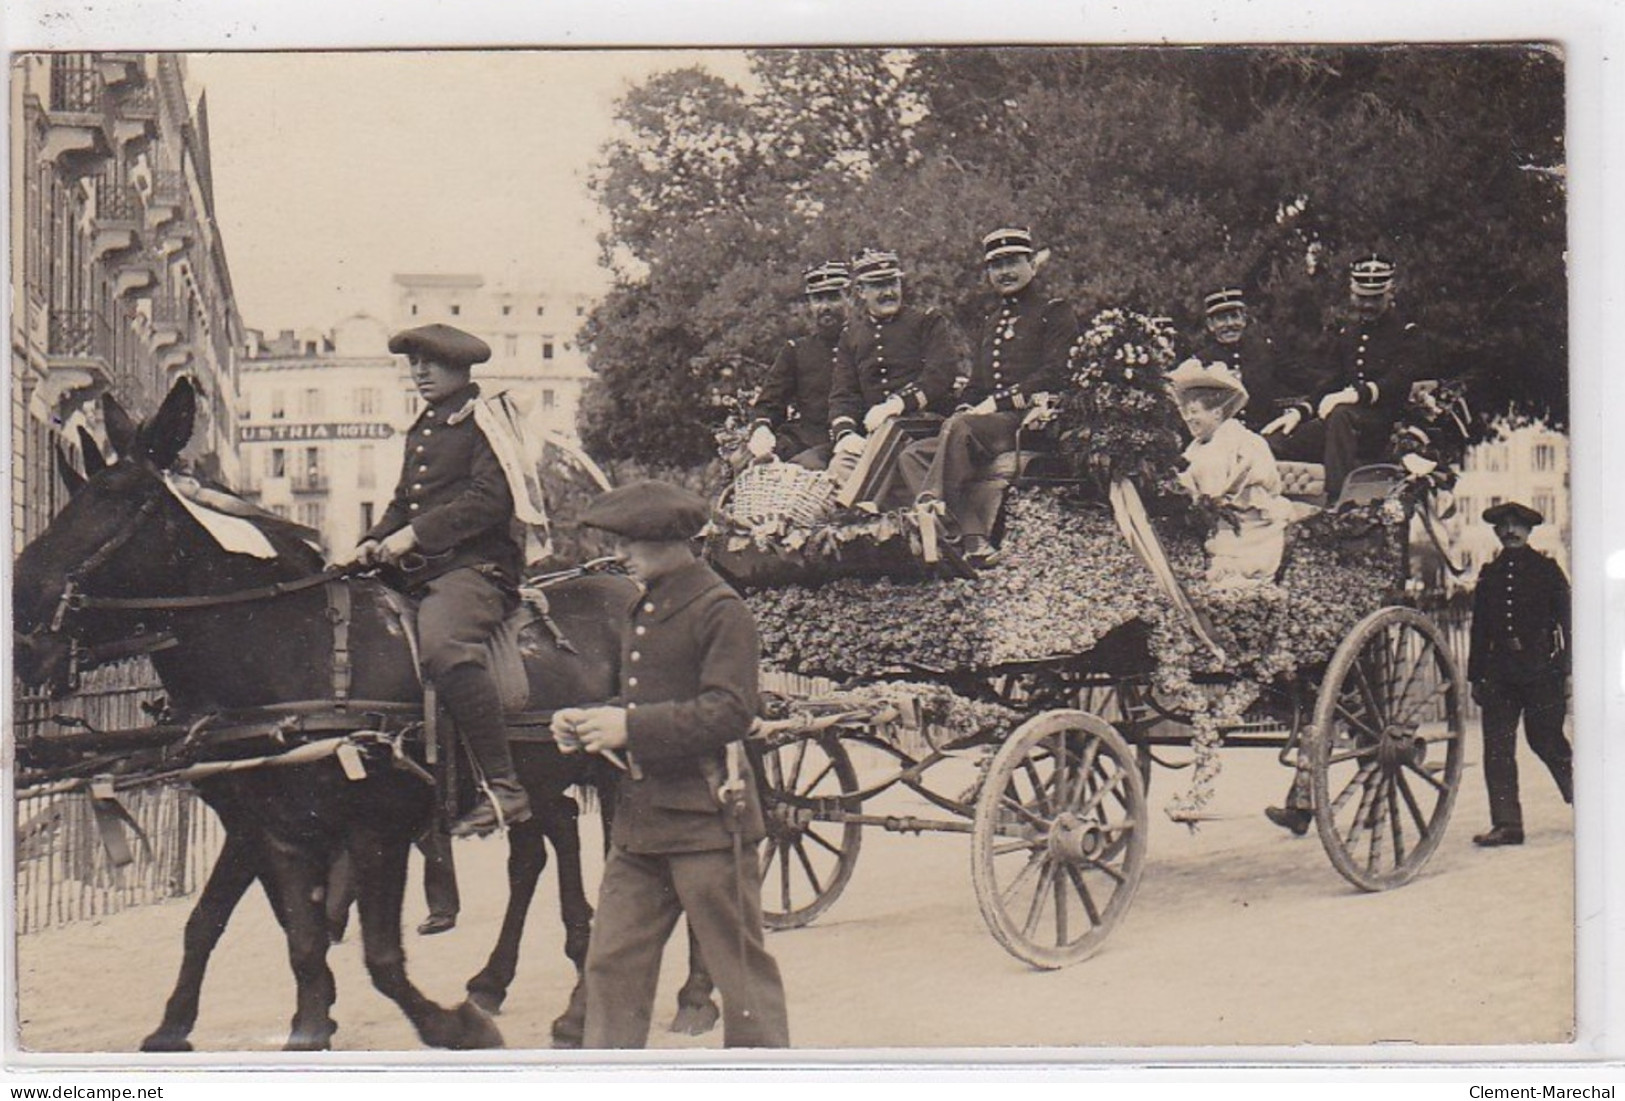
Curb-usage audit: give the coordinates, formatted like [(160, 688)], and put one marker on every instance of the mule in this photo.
[(123, 532)]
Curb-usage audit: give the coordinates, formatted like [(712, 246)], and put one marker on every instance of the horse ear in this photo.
[(95, 462), (74, 480), (120, 428), (166, 434)]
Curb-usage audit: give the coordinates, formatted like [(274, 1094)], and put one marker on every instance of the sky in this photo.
[(333, 171)]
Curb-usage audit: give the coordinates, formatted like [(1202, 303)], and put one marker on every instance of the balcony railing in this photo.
[(77, 86), (79, 334), (116, 200), (310, 481)]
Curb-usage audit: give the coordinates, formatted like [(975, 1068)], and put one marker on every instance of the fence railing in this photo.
[(64, 871), (77, 85)]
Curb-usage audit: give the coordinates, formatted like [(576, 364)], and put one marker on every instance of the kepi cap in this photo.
[(832, 275), (441, 343), (1230, 298), (1008, 241), (1513, 510), (1371, 275), (876, 266), (648, 511)]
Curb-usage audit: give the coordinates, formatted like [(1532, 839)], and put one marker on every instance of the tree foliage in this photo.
[(1153, 174)]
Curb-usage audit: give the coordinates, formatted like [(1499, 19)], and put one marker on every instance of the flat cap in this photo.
[(1512, 510), (649, 511), (441, 343)]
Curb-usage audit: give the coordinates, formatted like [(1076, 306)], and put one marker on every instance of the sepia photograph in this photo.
[(740, 552)]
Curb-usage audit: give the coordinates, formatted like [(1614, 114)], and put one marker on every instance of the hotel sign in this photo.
[(280, 433)]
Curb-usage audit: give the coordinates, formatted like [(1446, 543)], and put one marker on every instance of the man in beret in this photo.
[(1517, 665), (1229, 336), (1350, 411), (1023, 354), (447, 531), (891, 360), (684, 837), (801, 377)]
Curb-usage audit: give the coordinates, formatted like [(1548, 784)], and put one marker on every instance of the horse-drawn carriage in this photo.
[(1066, 673)]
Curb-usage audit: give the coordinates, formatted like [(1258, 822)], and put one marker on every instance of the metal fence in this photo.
[(64, 873)]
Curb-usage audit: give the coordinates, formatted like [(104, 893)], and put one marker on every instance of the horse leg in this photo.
[(380, 870), (340, 896), (229, 879), (697, 1011), (576, 912), (296, 878), (527, 858)]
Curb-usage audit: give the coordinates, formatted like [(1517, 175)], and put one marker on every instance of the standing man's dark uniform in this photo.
[(1230, 337), (1517, 666), (1023, 353), (448, 530), (1373, 358), (688, 697), (794, 404)]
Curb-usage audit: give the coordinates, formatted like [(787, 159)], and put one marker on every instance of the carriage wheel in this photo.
[(806, 860), (1386, 748), (1059, 840)]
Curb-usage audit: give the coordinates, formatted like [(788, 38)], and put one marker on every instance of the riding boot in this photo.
[(476, 707)]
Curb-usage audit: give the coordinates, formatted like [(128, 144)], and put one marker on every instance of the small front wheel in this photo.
[(1059, 841), (808, 855)]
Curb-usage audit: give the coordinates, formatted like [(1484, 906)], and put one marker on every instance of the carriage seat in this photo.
[(1304, 482)]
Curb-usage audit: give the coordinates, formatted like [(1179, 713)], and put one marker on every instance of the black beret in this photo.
[(441, 343), (1512, 510), (649, 511)]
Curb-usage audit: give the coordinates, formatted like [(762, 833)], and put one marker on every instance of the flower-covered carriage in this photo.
[(1063, 672)]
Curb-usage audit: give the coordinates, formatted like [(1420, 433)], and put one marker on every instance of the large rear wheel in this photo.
[(1059, 840), (1386, 748)]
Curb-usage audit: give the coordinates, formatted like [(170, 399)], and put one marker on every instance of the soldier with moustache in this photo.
[(1023, 354), (1356, 402), (801, 377), (1517, 665), (1230, 337), (681, 844), (893, 359)]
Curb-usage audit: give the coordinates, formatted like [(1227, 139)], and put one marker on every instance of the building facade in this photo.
[(322, 428), (119, 276), (531, 331), (1528, 464)]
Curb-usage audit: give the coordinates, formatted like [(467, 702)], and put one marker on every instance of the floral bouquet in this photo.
[(1116, 419)]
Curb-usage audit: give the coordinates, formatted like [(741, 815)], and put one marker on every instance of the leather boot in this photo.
[(476, 708)]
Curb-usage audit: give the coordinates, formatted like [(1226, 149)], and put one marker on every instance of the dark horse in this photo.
[(124, 532)]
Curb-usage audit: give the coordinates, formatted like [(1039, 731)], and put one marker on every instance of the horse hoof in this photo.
[(487, 1001), (166, 1042), (567, 1033), (476, 1031), (308, 1043), (696, 1020)]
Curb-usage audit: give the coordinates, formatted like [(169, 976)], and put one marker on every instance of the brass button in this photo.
[(416, 506), (641, 630), (636, 656), (428, 431), (648, 607), (631, 682)]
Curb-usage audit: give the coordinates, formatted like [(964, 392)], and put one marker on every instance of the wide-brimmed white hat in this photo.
[(1193, 375)]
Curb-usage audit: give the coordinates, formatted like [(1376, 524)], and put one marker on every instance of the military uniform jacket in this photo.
[(801, 377), (910, 354), (1254, 356), (688, 683), (1520, 618), (1378, 359), (1023, 351), (454, 493)]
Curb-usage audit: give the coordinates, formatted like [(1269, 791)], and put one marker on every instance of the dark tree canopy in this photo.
[(1153, 174)]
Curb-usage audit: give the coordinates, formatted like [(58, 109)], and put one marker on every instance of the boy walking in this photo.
[(688, 697)]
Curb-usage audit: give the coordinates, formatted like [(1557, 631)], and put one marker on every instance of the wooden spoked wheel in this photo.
[(1059, 840), (807, 857), (1386, 748)]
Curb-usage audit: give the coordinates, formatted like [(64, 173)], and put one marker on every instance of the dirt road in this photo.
[(1240, 935)]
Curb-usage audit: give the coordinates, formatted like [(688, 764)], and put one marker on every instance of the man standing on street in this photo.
[(1518, 664), (687, 818), (801, 378)]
